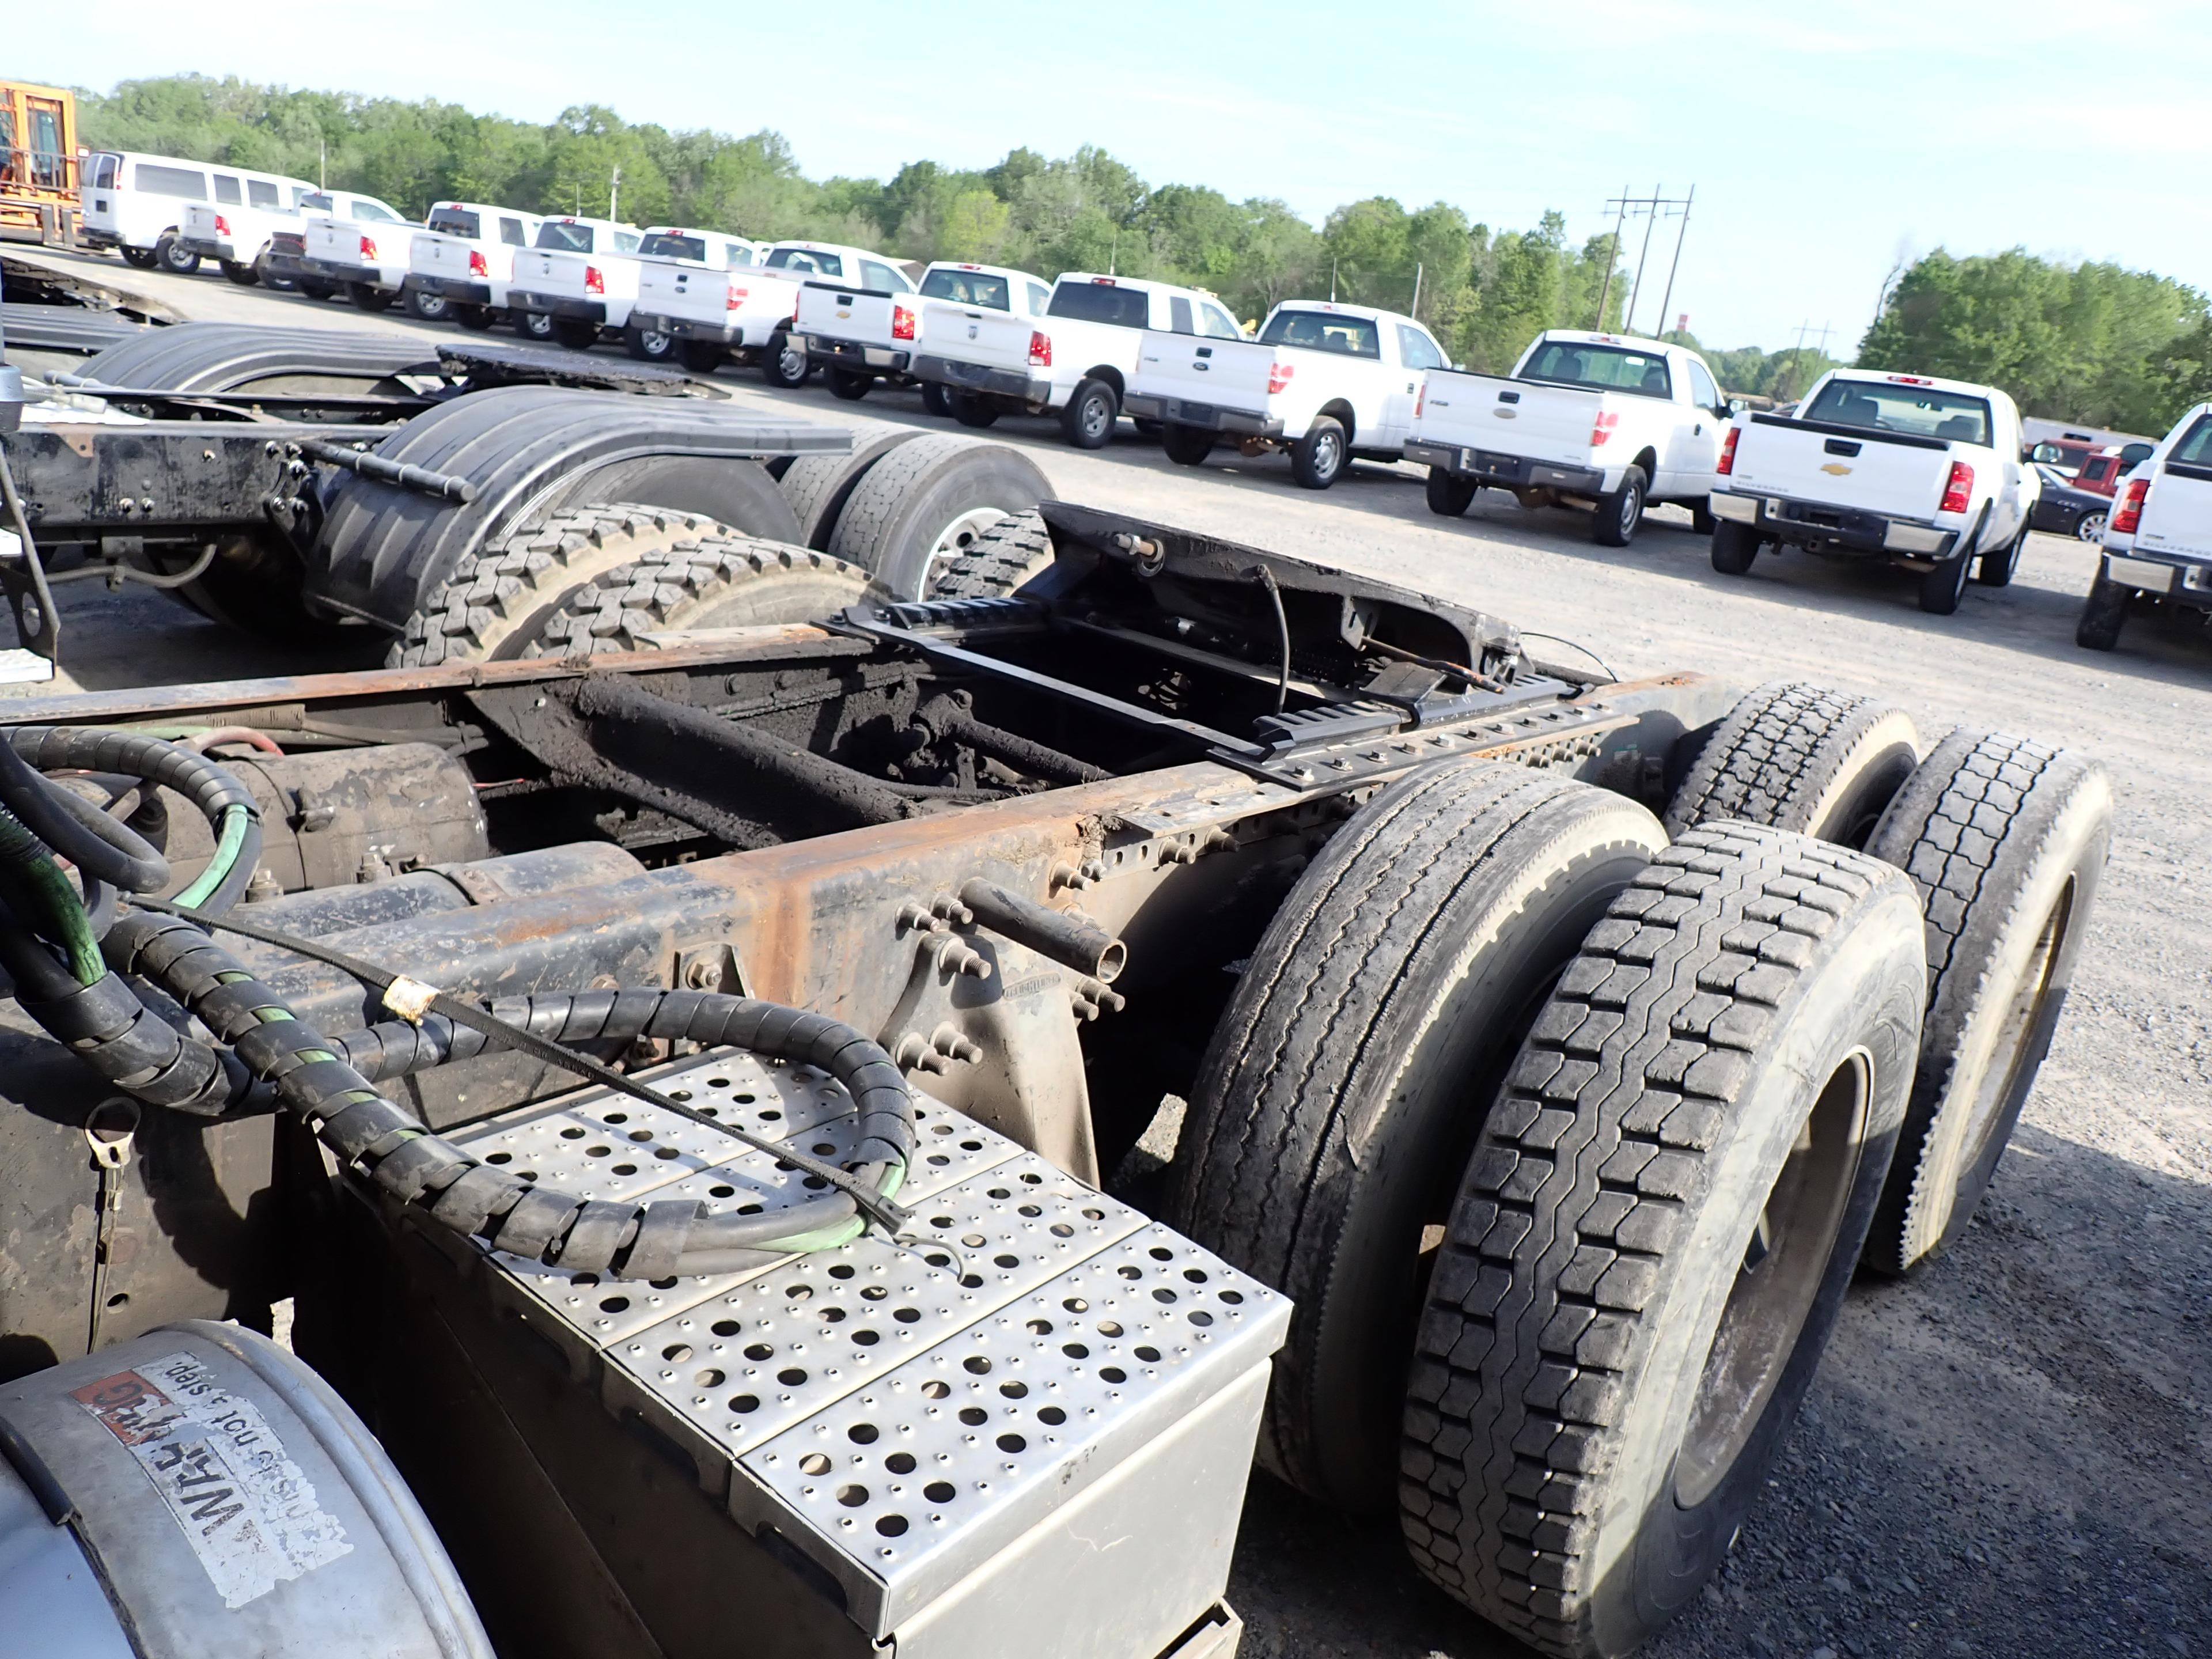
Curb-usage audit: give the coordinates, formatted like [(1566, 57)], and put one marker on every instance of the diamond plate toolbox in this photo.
[(921, 1419)]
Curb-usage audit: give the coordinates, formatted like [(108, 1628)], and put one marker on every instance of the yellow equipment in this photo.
[(37, 163)]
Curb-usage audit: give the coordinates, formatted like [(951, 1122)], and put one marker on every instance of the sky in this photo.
[(1823, 140)]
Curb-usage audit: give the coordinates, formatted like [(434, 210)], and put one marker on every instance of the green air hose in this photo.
[(42, 897)]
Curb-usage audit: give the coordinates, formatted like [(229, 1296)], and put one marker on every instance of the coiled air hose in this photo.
[(74, 995), (315, 1080)]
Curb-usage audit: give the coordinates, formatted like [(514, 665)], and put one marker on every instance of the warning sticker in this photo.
[(248, 1513)]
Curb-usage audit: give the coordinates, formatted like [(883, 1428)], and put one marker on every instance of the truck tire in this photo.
[(533, 325), (1995, 568), (1187, 446), (1088, 419), (847, 386), (244, 275), (496, 600), (173, 256), (998, 562), (1613, 523), (783, 364), (1450, 494), (141, 258), (1701, 518), (2005, 840), (315, 289), (1942, 588), (368, 299), (925, 503), (700, 356), (575, 333), (648, 345), (1735, 546), (475, 318), (977, 412), (1796, 757), (1652, 1240), (2103, 613), (818, 486), (719, 581), (427, 306), (938, 399), (1345, 1082), (1317, 459)]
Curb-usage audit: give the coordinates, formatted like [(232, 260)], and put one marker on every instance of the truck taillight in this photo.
[(476, 266), (594, 282), (1421, 401), (1728, 452), (1278, 376), (2127, 513), (1958, 489), (1040, 349), (736, 297), (369, 249), (1602, 426), (901, 323), (221, 226)]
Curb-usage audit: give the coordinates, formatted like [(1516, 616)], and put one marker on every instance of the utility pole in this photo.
[(1331, 279), (1797, 357), (1415, 313), (1635, 289), (1612, 258), (322, 164), (1651, 209), (1681, 231), (614, 194)]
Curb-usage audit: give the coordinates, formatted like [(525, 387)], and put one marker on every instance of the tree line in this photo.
[(1485, 292)]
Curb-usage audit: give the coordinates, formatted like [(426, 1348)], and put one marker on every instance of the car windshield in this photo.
[(969, 288), (1324, 331), (564, 238), (454, 221), (672, 244), (1096, 301), (1602, 368), (1919, 411)]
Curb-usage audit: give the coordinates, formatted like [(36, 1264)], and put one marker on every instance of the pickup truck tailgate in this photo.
[(666, 289), (1895, 474), (2177, 516), (849, 314), (1515, 418), (1195, 375), (436, 254), (976, 334), (537, 271)]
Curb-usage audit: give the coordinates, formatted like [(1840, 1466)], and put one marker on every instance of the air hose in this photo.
[(314, 1080)]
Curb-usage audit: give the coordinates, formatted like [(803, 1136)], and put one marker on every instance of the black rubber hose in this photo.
[(314, 1080), (211, 789), (97, 844)]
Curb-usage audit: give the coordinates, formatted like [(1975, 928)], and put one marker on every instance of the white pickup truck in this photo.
[(958, 299), (460, 267), (234, 228), (559, 288), (1324, 381), (357, 244), (864, 328), (743, 311), (1076, 360), (1924, 472), (2158, 541), (1603, 421)]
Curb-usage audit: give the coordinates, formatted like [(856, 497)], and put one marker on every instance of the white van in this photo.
[(135, 204)]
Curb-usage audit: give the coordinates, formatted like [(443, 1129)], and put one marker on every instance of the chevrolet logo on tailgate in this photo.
[(1835, 469)]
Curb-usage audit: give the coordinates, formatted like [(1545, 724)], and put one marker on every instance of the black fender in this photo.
[(530, 451), (234, 356)]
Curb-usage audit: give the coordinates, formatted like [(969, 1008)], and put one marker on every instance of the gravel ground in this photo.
[(2011, 1453)]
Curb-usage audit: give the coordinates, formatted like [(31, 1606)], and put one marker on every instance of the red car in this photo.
[(2103, 469)]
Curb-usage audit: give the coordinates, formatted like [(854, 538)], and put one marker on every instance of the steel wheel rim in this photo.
[(791, 363), (957, 538), (1097, 416), (1784, 1263), (656, 344)]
